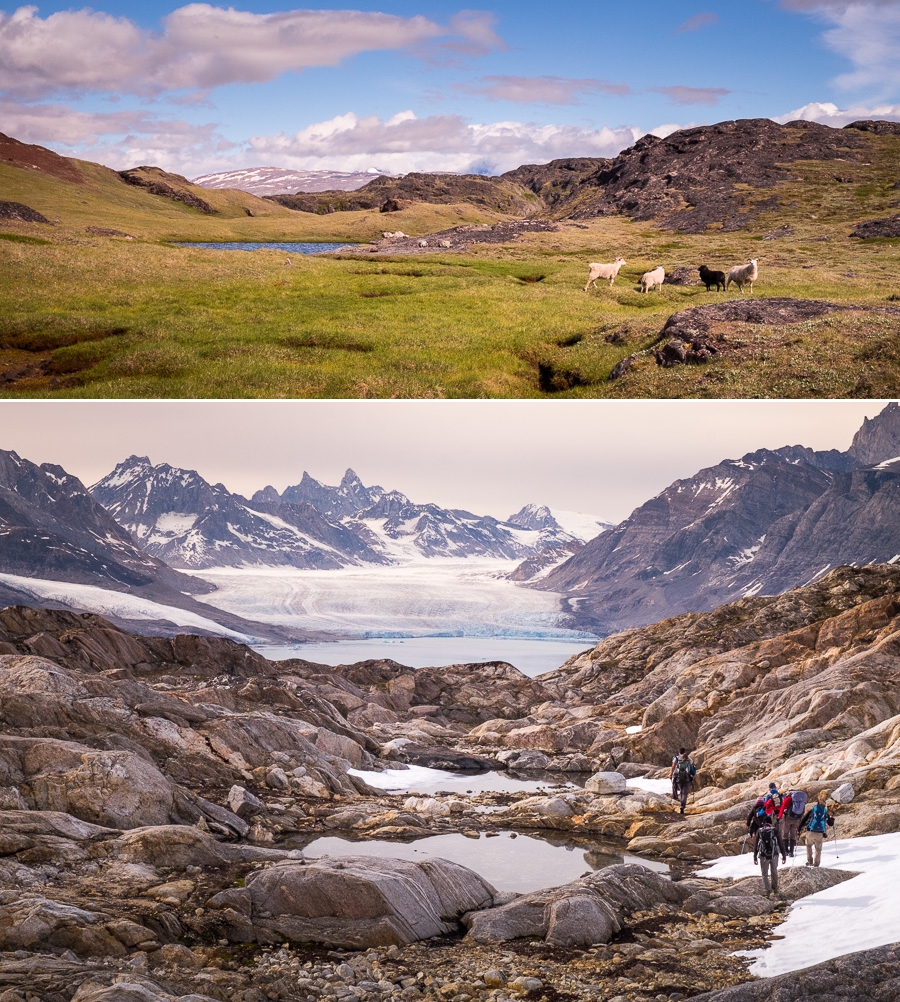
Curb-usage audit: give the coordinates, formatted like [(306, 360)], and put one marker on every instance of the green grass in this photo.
[(109, 317)]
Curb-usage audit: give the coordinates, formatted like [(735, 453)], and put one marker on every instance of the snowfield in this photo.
[(858, 914), (90, 598), (430, 596)]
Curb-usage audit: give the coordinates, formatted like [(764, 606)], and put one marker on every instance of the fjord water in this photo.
[(531, 656)]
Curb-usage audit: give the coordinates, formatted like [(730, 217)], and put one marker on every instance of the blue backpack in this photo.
[(818, 818)]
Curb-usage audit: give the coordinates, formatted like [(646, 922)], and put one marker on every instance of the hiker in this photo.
[(682, 775), (815, 822), (790, 815), (767, 847), (773, 801)]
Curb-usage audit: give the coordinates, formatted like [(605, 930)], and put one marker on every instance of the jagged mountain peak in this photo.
[(533, 516), (878, 438)]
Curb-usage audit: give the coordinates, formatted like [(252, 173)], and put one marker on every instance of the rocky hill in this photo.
[(769, 521), (710, 174), (714, 175), (389, 194)]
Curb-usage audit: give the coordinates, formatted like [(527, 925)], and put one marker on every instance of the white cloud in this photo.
[(865, 32), (119, 139), (202, 46), (545, 90), (827, 113), (436, 143), (692, 95)]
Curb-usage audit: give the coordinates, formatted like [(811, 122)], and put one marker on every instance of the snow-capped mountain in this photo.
[(180, 518), (403, 530), (282, 180), (573, 523), (177, 516)]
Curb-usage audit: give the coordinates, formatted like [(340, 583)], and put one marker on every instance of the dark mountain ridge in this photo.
[(770, 521)]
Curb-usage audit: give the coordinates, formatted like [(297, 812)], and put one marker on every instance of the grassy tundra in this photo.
[(85, 315)]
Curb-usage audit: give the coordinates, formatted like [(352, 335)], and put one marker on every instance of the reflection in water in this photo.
[(509, 861)]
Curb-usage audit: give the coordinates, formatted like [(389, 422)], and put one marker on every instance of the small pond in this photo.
[(509, 861), (419, 780), (288, 247)]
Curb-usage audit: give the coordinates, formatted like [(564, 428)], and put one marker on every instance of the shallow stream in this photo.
[(289, 247)]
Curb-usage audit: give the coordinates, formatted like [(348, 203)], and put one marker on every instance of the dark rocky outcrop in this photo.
[(438, 189), (174, 186), (688, 181), (22, 213), (880, 128), (878, 228)]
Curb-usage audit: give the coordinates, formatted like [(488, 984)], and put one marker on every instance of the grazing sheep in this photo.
[(609, 271), (653, 279), (710, 278), (742, 273)]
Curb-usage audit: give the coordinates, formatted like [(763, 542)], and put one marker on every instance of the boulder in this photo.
[(872, 975), (32, 921), (355, 902), (583, 912), (843, 794), (606, 783), (243, 803)]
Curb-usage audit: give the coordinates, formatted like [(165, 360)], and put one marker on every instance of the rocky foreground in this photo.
[(156, 795)]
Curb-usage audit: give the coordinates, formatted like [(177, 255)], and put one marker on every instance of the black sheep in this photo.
[(710, 278)]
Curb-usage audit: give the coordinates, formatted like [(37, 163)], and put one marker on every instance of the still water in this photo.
[(524, 863), (531, 657), (247, 245)]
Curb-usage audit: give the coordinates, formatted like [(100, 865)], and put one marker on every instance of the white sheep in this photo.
[(653, 279), (742, 273), (609, 271)]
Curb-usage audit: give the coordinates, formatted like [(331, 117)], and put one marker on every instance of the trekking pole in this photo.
[(837, 855), (744, 842)]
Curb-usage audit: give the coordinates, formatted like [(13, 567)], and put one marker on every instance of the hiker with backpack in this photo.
[(682, 775), (767, 847), (790, 815), (815, 823)]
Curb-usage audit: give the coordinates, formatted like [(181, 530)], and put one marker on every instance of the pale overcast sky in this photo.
[(401, 85), (490, 457)]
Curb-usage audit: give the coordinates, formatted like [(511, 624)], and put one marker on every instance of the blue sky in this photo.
[(399, 85)]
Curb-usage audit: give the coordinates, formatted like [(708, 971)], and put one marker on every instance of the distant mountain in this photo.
[(177, 516), (180, 518), (281, 180), (770, 521), (403, 530)]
